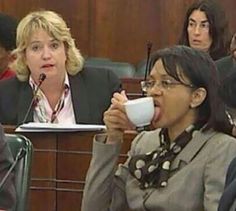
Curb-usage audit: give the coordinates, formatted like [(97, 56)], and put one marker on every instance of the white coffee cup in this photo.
[(140, 111)]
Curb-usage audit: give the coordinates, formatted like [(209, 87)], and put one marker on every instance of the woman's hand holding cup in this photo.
[(115, 118)]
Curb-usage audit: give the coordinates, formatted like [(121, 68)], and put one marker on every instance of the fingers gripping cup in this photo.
[(140, 111)]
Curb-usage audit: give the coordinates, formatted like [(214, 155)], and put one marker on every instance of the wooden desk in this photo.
[(60, 163)]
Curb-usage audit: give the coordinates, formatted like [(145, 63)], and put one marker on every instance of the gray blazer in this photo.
[(197, 181), (7, 192)]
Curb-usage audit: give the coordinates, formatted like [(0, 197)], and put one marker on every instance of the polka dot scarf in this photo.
[(152, 169)]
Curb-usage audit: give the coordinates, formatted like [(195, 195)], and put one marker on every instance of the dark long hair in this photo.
[(200, 69), (219, 30)]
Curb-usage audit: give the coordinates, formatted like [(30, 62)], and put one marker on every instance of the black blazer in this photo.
[(91, 91)]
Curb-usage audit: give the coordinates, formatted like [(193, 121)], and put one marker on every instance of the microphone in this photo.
[(21, 153), (149, 48), (42, 77)]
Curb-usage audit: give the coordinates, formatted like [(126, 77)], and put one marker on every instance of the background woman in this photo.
[(7, 43), (227, 64), (227, 92), (206, 28)]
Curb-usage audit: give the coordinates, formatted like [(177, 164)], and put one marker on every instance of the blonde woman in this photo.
[(70, 93)]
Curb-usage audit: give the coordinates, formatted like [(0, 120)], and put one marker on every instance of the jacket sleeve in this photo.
[(104, 190), (215, 171), (233, 207), (7, 192)]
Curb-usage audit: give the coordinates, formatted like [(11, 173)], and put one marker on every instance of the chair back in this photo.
[(97, 60), (121, 69), (22, 169), (141, 69)]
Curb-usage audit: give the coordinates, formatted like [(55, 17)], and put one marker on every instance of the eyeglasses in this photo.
[(231, 114), (202, 26), (163, 84)]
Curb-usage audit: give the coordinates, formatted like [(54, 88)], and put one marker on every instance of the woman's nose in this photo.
[(46, 53), (155, 90), (197, 30)]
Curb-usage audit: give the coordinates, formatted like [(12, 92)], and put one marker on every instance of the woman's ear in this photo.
[(198, 96)]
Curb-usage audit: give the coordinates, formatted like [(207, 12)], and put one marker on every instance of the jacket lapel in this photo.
[(80, 99), (25, 97), (192, 148)]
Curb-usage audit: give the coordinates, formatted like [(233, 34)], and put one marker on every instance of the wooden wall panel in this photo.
[(76, 14), (171, 16), (121, 29), (230, 8), (118, 29)]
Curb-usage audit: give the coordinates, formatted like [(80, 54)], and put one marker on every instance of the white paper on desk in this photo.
[(51, 127)]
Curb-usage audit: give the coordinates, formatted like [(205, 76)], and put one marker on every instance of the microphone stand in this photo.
[(149, 47), (42, 77), (18, 157)]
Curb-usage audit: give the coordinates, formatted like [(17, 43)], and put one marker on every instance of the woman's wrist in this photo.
[(114, 137)]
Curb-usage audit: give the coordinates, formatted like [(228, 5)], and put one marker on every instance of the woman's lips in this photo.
[(196, 42), (47, 65)]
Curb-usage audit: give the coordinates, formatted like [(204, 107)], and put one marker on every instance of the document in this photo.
[(52, 127)]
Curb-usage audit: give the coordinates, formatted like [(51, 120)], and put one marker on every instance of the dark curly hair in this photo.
[(8, 26)]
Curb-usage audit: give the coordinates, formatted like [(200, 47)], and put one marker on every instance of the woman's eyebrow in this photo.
[(202, 21), (34, 42), (192, 20)]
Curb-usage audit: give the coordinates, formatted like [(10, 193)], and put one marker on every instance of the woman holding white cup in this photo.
[(180, 165)]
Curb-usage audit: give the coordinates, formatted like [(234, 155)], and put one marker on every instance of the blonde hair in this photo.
[(56, 27)]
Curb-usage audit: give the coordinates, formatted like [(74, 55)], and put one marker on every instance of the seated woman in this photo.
[(69, 94), (206, 28), (181, 164), (227, 92), (8, 26), (227, 64), (7, 190)]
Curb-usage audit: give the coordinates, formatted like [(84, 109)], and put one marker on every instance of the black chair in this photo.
[(22, 151), (97, 60), (121, 69), (141, 68)]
